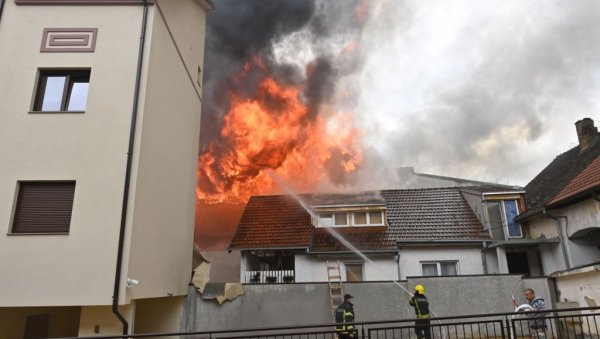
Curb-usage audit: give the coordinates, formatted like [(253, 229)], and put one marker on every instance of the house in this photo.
[(563, 204), (403, 232), (512, 248), (99, 129)]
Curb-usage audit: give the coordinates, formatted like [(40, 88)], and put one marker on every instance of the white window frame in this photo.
[(368, 214), (505, 220), (350, 218), (439, 267)]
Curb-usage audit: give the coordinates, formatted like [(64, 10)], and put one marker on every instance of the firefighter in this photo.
[(421, 304), (345, 314)]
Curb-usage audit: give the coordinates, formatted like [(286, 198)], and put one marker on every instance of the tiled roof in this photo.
[(588, 178), (558, 174), (428, 214), (412, 214), (272, 221)]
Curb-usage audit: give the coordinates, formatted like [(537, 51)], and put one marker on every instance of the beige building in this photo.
[(99, 129)]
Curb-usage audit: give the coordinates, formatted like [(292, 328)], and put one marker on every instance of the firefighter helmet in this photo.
[(420, 288)]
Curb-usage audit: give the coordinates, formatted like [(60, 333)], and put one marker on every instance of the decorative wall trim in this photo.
[(69, 40), (82, 2)]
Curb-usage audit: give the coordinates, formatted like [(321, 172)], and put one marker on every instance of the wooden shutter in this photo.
[(44, 207)]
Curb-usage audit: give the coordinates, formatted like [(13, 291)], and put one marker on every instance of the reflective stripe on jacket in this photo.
[(421, 305), (344, 314)]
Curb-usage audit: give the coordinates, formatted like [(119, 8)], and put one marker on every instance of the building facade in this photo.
[(99, 133)]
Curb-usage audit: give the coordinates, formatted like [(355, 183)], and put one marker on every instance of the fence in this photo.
[(269, 277), (574, 323)]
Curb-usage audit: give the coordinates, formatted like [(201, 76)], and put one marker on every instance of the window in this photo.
[(354, 271), (62, 91), (341, 219), (349, 218), (44, 207), (441, 268), (325, 219), (368, 218), (501, 215)]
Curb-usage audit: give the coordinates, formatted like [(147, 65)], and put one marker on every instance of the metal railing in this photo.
[(270, 276), (573, 323)]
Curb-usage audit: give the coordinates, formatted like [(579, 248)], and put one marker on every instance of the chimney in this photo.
[(586, 133)]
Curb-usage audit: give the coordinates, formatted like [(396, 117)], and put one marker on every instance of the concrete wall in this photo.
[(90, 148), (295, 304), (469, 259), (581, 286)]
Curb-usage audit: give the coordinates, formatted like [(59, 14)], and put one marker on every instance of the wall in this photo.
[(469, 259), (296, 304), (90, 147), (158, 315), (581, 286), (312, 268), (476, 203), (64, 321), (102, 318), (164, 200), (582, 215)]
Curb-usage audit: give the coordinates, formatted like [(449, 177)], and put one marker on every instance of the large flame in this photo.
[(273, 130)]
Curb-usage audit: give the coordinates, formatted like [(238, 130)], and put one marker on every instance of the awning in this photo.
[(588, 235)]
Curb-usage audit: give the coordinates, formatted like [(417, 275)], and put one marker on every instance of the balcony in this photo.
[(269, 277)]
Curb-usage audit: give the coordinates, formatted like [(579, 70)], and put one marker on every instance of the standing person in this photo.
[(421, 304), (345, 314), (538, 324)]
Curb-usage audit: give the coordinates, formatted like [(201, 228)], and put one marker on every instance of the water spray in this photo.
[(339, 237)]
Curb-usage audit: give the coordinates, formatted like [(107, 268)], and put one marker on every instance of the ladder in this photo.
[(336, 289)]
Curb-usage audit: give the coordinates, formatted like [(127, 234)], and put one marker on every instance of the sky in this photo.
[(484, 90)]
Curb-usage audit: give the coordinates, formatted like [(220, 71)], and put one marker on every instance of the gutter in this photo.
[(547, 214), (126, 185)]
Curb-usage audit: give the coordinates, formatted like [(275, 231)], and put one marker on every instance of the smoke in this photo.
[(473, 89), (478, 89)]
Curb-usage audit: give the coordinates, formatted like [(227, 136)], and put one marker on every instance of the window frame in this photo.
[(72, 76), (15, 226), (355, 264), (439, 267)]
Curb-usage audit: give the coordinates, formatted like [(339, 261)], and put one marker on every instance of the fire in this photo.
[(273, 130)]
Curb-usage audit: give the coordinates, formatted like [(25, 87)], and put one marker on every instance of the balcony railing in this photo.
[(269, 277)]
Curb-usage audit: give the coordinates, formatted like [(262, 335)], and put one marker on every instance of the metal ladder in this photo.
[(336, 289)]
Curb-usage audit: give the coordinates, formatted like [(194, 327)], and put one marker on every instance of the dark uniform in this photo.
[(345, 314), (421, 305)]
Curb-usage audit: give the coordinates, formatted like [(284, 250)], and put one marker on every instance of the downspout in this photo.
[(483, 257), (560, 234), (134, 112), (1, 8)]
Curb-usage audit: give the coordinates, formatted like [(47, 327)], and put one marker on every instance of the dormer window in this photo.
[(350, 218), (368, 218)]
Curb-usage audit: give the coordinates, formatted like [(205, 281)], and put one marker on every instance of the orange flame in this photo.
[(273, 131)]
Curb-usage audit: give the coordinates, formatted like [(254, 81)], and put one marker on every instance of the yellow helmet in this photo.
[(420, 288)]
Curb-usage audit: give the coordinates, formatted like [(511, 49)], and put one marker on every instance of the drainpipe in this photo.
[(1, 8), (560, 234), (134, 112), (483, 257)]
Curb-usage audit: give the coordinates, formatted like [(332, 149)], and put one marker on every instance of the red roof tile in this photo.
[(587, 179), (274, 221), (412, 214)]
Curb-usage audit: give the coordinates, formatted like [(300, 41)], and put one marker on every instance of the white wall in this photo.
[(469, 259), (310, 268)]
